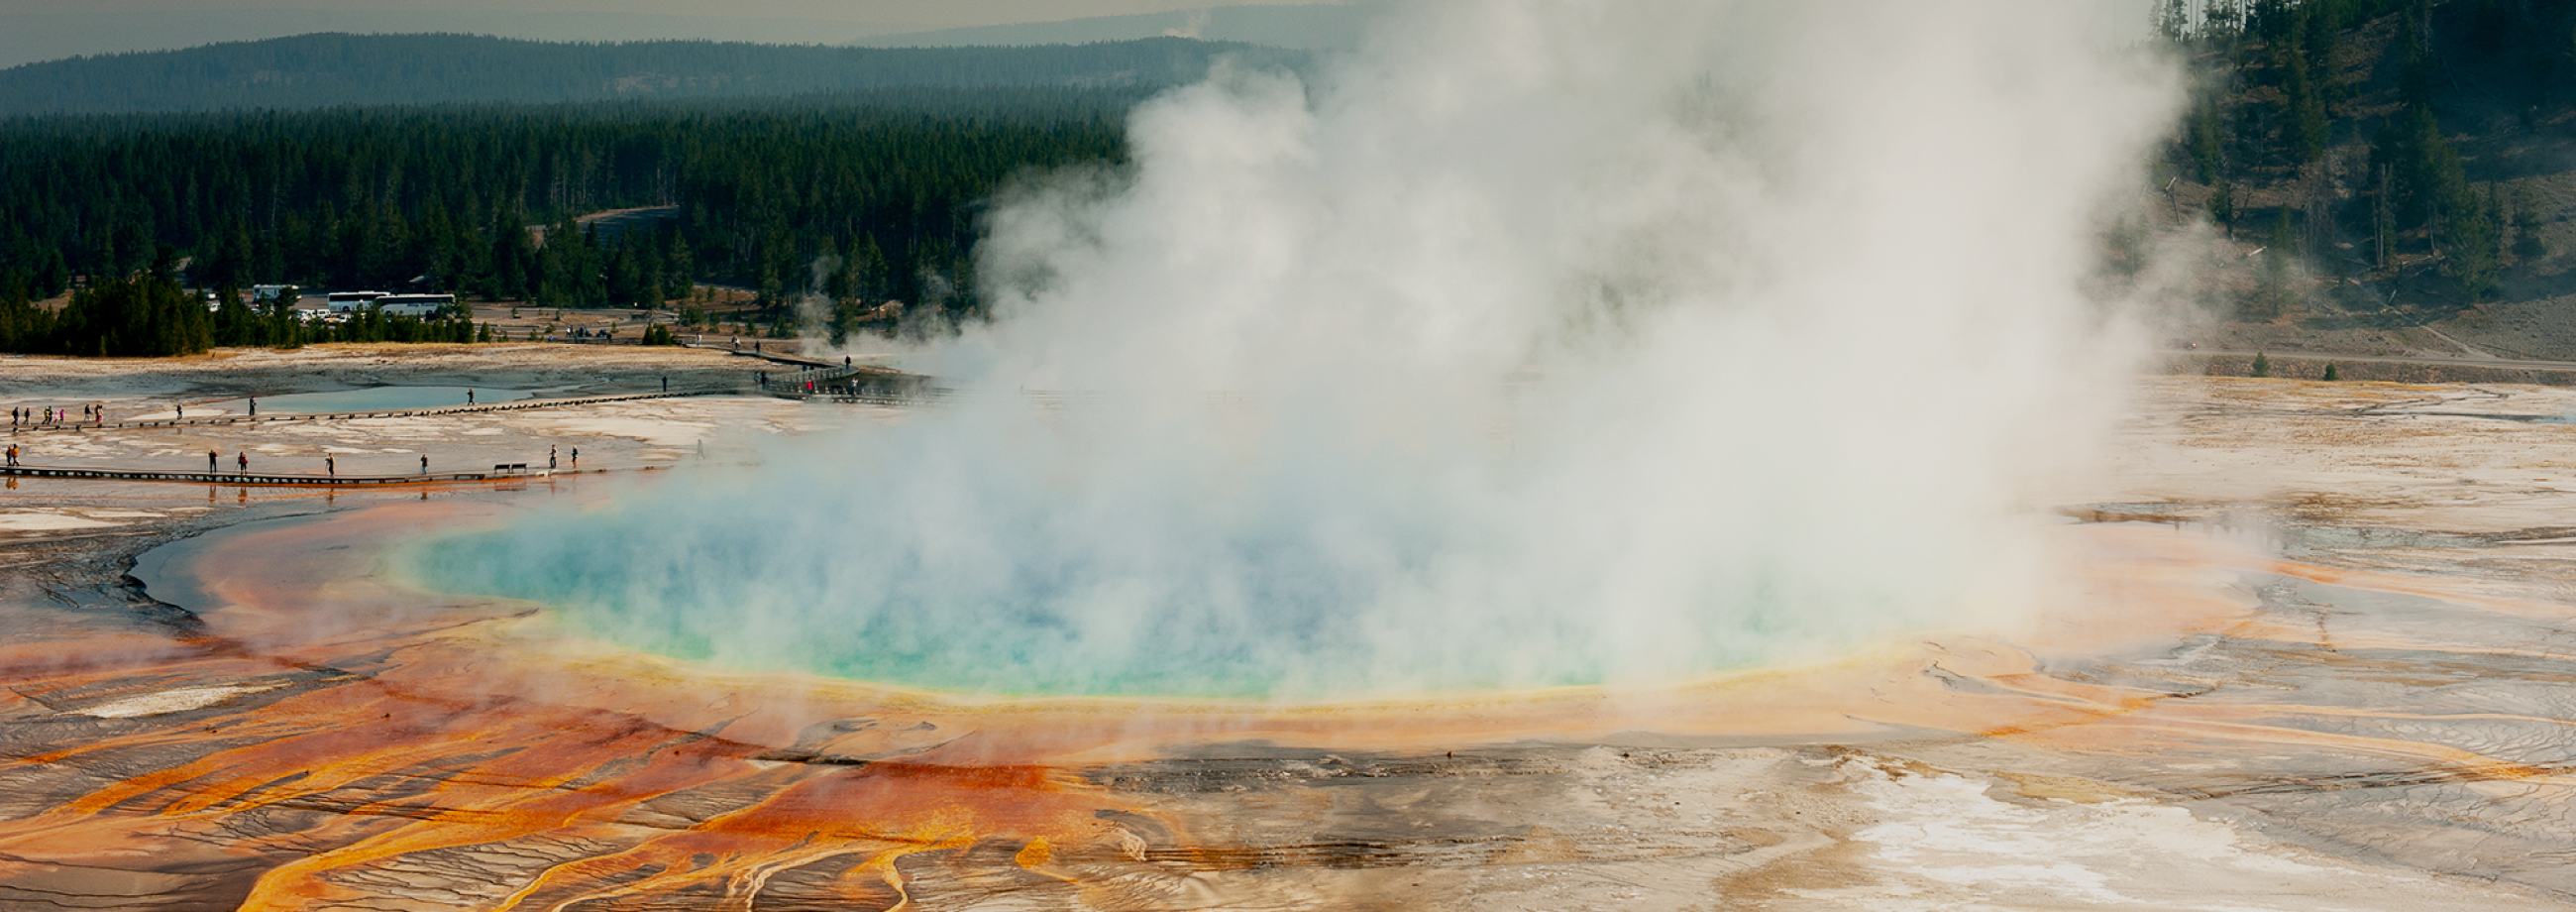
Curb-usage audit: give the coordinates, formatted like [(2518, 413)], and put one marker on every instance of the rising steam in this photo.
[(1541, 342)]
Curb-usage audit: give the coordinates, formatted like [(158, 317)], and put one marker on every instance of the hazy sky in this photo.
[(923, 13), (38, 30)]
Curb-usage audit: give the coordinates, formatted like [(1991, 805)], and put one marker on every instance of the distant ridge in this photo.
[(37, 37), (1313, 27), (324, 70)]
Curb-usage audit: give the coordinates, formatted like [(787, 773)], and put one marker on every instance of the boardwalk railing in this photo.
[(840, 383), (516, 472), (518, 405), (793, 382)]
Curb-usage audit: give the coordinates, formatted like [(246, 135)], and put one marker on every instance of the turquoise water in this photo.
[(993, 588), (377, 398), (976, 551)]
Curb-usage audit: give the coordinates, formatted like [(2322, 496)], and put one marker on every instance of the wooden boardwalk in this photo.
[(498, 474), (281, 417)]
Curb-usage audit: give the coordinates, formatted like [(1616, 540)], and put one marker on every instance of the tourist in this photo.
[(330, 465), (242, 462), (254, 406), (469, 395), (550, 458), (13, 454), (424, 463), (210, 462), (183, 411), (576, 457), (666, 383)]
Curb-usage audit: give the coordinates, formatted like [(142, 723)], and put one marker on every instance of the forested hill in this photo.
[(325, 70), (2382, 166)]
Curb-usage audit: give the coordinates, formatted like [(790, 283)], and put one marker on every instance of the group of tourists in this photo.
[(241, 462), (21, 417), (55, 416)]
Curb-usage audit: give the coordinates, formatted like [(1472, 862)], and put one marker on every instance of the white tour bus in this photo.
[(351, 301), (415, 305)]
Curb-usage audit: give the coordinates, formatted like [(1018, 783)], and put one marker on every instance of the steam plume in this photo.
[(1541, 342)]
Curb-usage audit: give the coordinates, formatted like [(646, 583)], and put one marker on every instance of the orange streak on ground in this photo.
[(885, 811), (501, 727)]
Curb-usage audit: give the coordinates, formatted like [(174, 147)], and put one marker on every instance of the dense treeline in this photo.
[(879, 191), (2287, 82), (150, 315), (326, 70)]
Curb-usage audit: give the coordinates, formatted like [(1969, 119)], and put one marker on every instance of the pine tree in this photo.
[(2527, 244), (2307, 128), (2471, 258), (2274, 288), (2222, 206)]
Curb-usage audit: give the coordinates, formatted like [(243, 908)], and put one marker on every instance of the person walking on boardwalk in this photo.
[(550, 457), (254, 406), (469, 395), (330, 465), (13, 454), (210, 462), (241, 461), (576, 457), (424, 463)]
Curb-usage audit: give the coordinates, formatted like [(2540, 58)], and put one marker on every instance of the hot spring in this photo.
[(1489, 357)]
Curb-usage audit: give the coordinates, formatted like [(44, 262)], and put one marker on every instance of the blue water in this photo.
[(377, 398), (983, 571)]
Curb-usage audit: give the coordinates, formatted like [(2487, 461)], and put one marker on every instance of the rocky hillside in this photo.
[(2388, 176)]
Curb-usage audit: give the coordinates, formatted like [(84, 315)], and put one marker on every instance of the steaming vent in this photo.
[(1806, 285)]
